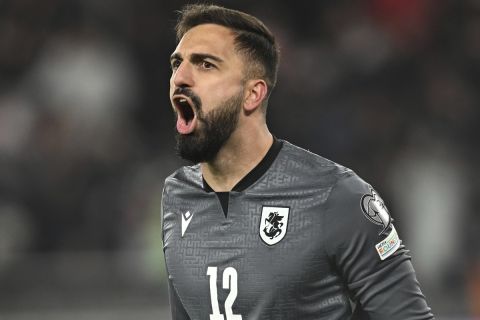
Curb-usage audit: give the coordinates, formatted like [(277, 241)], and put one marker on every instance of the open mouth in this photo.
[(184, 109), (186, 115)]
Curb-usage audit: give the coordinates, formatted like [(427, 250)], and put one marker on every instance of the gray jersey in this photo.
[(307, 240)]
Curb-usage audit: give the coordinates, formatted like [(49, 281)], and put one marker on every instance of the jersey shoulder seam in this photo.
[(344, 175)]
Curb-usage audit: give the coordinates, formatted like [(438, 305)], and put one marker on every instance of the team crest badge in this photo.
[(375, 210), (273, 224)]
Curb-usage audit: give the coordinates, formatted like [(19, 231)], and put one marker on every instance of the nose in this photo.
[(183, 75)]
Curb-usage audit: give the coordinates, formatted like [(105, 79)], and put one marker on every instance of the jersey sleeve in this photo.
[(161, 215), (367, 252), (176, 306)]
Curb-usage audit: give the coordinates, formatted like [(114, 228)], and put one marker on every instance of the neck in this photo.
[(242, 152)]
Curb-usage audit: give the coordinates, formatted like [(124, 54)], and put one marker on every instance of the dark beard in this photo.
[(212, 132)]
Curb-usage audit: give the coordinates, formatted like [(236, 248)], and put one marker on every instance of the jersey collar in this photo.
[(257, 172)]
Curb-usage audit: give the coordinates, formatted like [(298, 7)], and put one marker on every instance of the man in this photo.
[(260, 228)]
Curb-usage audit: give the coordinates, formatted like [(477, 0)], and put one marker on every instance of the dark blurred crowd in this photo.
[(388, 88)]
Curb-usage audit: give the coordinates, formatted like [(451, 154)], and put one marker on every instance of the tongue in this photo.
[(184, 127)]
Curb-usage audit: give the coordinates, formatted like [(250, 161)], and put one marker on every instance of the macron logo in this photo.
[(186, 218)]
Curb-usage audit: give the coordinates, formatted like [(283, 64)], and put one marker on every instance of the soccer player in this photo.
[(259, 228)]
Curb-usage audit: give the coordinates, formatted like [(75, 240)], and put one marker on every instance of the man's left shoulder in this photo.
[(312, 164)]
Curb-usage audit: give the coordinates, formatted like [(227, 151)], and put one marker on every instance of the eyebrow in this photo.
[(196, 57), (176, 56)]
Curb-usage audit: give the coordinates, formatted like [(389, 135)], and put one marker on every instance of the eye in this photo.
[(207, 65), (174, 64)]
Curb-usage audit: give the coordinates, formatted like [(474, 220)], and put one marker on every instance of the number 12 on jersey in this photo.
[(230, 281)]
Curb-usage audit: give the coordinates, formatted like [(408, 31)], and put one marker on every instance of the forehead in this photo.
[(208, 38)]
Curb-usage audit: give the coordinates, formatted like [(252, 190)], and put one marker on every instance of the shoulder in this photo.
[(350, 186), (187, 177), (302, 156), (311, 167), (353, 202), (353, 208), (351, 205), (357, 220)]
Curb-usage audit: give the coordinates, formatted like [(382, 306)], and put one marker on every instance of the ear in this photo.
[(255, 93)]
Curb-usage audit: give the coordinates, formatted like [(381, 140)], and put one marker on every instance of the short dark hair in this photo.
[(252, 37)]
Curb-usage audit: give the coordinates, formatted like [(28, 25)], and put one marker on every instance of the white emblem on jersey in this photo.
[(273, 224), (389, 245), (186, 218), (375, 210)]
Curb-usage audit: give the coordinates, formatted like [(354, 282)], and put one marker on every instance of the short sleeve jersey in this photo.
[(307, 240)]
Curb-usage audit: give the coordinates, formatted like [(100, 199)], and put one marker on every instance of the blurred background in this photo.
[(389, 88)]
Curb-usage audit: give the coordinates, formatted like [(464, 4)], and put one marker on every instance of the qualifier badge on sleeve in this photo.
[(389, 245)]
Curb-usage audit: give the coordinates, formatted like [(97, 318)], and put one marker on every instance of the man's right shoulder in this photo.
[(185, 176)]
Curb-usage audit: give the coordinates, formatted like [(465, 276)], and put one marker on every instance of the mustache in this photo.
[(197, 102)]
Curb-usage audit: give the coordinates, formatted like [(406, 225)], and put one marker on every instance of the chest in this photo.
[(268, 245)]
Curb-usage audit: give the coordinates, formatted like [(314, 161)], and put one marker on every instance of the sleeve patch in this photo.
[(389, 245), (375, 210)]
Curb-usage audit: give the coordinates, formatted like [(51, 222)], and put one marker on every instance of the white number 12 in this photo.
[(230, 281)]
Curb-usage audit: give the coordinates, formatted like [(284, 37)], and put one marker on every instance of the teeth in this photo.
[(182, 100)]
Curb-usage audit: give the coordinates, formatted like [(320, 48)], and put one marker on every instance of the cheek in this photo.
[(210, 101), (219, 93)]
